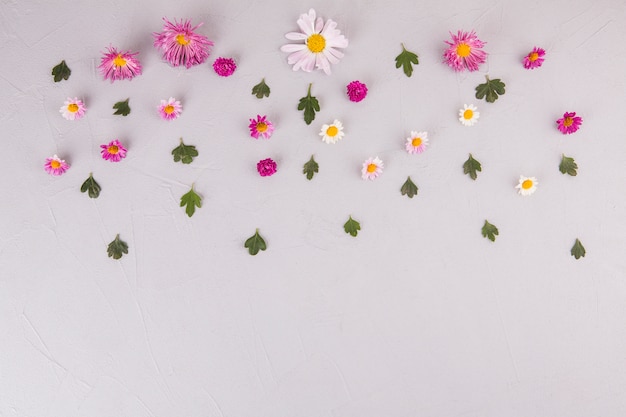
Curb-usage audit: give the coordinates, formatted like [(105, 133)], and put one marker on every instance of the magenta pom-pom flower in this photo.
[(170, 109), (114, 151), (261, 127), (356, 91), (266, 167), (534, 59), (224, 67), (569, 123), (119, 65), (464, 52), (56, 166), (372, 168), (73, 109), (180, 45)]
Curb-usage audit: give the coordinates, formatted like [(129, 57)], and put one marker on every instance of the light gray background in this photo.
[(418, 315)]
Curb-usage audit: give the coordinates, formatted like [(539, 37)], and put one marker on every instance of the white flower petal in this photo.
[(295, 36), (292, 47)]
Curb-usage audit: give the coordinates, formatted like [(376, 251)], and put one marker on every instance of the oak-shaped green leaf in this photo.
[(489, 231), (568, 166), (117, 248), (409, 188), (406, 59), (578, 250), (471, 167), (310, 105), (490, 90), (352, 227), (255, 243), (122, 108), (184, 153), (310, 168), (91, 187), (191, 200), (61, 72), (261, 89)]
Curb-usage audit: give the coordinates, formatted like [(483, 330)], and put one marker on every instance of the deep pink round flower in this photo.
[(465, 51), (356, 91), (180, 45), (114, 151), (569, 123), (224, 67), (116, 65), (266, 167), (534, 59)]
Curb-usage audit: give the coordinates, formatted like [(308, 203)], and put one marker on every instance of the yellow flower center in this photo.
[(533, 56), (113, 149), (371, 168), (55, 164), (261, 127), (468, 114), (463, 50), (316, 43), (527, 184), (119, 61), (416, 142), (72, 107), (568, 122), (181, 39), (332, 131), (169, 109)]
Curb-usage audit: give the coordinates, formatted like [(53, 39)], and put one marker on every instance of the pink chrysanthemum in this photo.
[(534, 59), (372, 168), (261, 127), (181, 45), (569, 123), (356, 91), (119, 65), (417, 142), (465, 51), (114, 151), (224, 67), (170, 109), (73, 109), (266, 167), (56, 166)]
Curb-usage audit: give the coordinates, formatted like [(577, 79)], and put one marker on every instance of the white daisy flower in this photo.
[(372, 168), (73, 109), (526, 185), (332, 133), (417, 142), (469, 115)]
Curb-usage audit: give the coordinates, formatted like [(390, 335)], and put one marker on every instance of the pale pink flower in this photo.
[(356, 91), (569, 123), (73, 109), (224, 67), (56, 166), (534, 59), (266, 167), (119, 65), (372, 168), (170, 109), (464, 51), (261, 127), (114, 151), (417, 142), (180, 45)]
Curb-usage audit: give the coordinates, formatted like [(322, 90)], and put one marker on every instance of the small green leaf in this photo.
[(409, 188), (489, 231), (61, 72), (255, 243), (310, 105), (91, 187), (406, 59), (578, 250), (491, 89), (310, 168), (352, 227), (122, 108), (471, 166), (117, 248), (568, 166), (191, 200), (184, 153), (261, 89)]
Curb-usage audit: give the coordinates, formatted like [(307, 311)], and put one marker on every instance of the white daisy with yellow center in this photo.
[(73, 109), (332, 133), (417, 142), (526, 185), (469, 115)]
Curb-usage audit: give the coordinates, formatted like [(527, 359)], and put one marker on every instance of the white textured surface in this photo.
[(418, 315)]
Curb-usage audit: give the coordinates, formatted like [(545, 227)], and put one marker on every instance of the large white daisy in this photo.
[(469, 115), (332, 133), (526, 185), (320, 43)]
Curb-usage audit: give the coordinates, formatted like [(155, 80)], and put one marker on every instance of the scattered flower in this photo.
[(224, 67), (114, 151), (534, 59), (56, 166), (319, 49), (116, 65), (356, 91), (469, 115), (465, 51), (180, 45), (372, 168), (332, 133), (261, 127), (526, 185), (266, 167), (73, 109), (570, 123), (170, 109), (417, 143)]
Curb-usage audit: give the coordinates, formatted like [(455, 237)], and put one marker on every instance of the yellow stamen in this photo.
[(119, 61), (527, 184), (568, 122), (55, 164), (72, 107), (416, 142), (533, 56), (169, 109), (181, 39), (332, 131), (113, 149), (468, 114), (261, 127), (371, 168), (463, 50), (316, 43)]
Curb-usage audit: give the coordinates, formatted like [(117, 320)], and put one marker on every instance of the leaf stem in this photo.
[(487, 77), (309, 91), (181, 140)]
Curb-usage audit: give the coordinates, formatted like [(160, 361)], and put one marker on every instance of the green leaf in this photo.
[(91, 186), (191, 200), (61, 72), (310, 168), (352, 227), (122, 108), (471, 166), (578, 250), (184, 153), (489, 231), (255, 243), (261, 89), (568, 166), (310, 105), (406, 59), (491, 89), (409, 188), (117, 248)]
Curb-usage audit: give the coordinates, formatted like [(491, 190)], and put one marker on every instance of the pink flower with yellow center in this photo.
[(372, 168), (170, 109), (261, 127), (73, 109), (266, 167), (56, 166), (114, 151), (180, 45), (224, 67), (569, 123), (417, 142), (119, 65), (464, 52), (534, 59)]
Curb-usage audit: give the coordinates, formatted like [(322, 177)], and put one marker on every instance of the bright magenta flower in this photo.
[(356, 91), (119, 65), (534, 59), (465, 51), (224, 67), (266, 167), (56, 166), (114, 151), (261, 127), (569, 123), (181, 45), (73, 109), (170, 109)]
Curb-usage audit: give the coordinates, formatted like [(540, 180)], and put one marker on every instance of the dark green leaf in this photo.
[(471, 166), (122, 108), (491, 89), (310, 105), (191, 200), (352, 227), (184, 153), (406, 59), (255, 243), (578, 250), (310, 168), (117, 248), (91, 187), (489, 231), (261, 89), (568, 166), (61, 72), (409, 188)]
